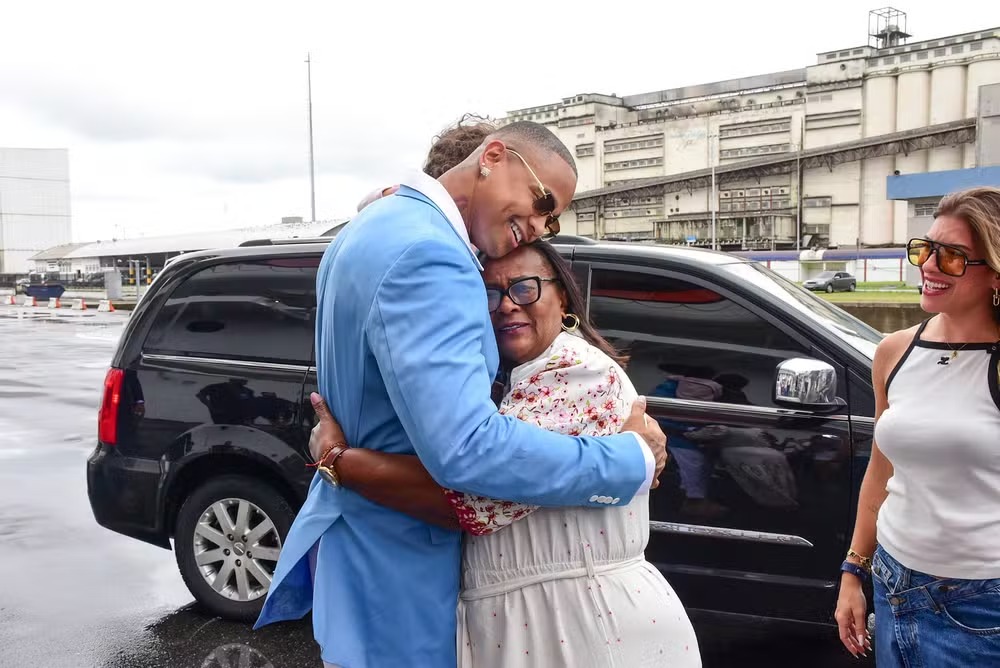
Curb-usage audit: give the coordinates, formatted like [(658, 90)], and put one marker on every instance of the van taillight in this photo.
[(107, 417)]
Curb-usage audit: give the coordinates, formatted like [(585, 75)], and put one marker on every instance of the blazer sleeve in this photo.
[(573, 393), (426, 329)]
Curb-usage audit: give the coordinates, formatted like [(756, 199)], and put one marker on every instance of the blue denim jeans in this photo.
[(926, 622)]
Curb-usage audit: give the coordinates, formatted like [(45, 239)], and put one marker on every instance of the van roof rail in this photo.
[(286, 242)]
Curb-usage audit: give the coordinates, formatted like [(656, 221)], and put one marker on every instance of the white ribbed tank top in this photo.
[(941, 432)]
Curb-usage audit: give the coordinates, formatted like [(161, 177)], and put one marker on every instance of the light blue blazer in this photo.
[(406, 357)]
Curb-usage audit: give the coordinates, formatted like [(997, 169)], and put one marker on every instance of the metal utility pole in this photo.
[(712, 195), (798, 198), (312, 170), (798, 185)]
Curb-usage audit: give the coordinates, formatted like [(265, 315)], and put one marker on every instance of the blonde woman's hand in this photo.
[(850, 616)]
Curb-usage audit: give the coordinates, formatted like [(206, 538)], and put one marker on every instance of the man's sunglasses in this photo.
[(522, 292), (950, 260), (545, 203)]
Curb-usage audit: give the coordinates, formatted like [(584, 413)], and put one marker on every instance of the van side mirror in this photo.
[(808, 384)]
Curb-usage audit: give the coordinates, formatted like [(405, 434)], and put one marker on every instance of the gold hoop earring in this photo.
[(575, 319), (996, 297)]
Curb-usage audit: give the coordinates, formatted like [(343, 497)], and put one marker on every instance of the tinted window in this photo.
[(679, 334), (259, 310)]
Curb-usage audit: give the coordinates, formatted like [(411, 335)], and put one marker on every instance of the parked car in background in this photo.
[(832, 281), (763, 389)]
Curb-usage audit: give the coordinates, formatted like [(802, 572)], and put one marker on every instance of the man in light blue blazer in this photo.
[(406, 357)]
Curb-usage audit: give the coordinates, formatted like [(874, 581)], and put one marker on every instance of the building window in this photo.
[(572, 122), (888, 61), (748, 151), (924, 210), (633, 164), (756, 129), (633, 213), (958, 49), (976, 46), (922, 55), (940, 52), (816, 202), (904, 58), (584, 150), (632, 144)]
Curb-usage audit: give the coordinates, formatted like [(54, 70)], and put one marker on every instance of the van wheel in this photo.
[(228, 536)]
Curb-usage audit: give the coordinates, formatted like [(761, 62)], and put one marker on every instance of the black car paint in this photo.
[(136, 486)]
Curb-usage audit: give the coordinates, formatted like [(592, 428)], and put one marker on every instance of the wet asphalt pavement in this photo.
[(76, 595)]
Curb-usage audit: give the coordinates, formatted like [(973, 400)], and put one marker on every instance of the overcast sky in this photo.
[(193, 115)]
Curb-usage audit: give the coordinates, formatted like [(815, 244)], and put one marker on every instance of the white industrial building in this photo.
[(34, 204), (797, 158), (68, 262)]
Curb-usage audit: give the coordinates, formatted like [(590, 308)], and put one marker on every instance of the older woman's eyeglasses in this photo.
[(545, 203), (522, 292), (950, 260)]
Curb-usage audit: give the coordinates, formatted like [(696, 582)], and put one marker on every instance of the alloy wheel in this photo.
[(236, 547)]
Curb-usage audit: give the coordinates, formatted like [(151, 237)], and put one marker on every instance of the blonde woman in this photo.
[(928, 523)]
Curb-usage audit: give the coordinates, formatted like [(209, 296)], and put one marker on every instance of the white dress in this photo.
[(567, 586)]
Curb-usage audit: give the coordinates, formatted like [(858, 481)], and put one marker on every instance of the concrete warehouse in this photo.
[(799, 158)]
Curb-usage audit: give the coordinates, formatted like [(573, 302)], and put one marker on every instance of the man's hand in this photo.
[(650, 432), (327, 431)]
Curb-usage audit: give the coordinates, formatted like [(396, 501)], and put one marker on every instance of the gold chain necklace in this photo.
[(955, 351)]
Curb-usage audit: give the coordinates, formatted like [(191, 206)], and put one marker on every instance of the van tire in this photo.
[(199, 534)]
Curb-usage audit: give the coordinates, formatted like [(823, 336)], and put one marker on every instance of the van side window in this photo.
[(260, 310), (688, 342)]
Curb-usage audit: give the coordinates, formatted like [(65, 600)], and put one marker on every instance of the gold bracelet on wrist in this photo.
[(866, 562)]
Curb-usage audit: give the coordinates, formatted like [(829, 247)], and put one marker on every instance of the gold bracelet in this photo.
[(866, 562)]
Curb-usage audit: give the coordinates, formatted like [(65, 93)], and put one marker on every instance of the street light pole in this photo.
[(312, 171)]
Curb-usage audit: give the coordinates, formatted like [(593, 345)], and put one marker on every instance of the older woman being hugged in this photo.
[(928, 522), (542, 586)]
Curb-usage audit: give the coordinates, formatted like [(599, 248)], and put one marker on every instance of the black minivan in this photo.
[(763, 389)]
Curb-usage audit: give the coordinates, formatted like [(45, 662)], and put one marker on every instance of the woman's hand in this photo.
[(850, 616), (327, 431)]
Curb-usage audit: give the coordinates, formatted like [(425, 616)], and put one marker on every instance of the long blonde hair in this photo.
[(980, 208)]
